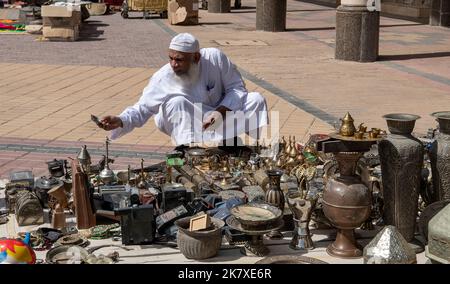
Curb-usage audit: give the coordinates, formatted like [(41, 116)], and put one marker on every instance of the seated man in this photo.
[(198, 97)]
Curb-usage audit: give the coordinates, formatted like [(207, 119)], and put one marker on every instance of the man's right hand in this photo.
[(111, 122)]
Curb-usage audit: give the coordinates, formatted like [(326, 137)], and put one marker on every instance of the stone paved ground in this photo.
[(104, 41), (48, 90)]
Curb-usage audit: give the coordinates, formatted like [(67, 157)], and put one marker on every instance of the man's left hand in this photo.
[(215, 117), (211, 120)]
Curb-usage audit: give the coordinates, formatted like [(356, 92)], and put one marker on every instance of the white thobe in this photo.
[(179, 111)]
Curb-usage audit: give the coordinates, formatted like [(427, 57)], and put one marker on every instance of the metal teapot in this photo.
[(347, 126)]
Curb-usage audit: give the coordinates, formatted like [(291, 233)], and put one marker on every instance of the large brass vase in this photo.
[(346, 203), (275, 196), (401, 157), (440, 158)]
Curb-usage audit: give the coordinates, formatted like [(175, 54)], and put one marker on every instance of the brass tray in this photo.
[(365, 138)]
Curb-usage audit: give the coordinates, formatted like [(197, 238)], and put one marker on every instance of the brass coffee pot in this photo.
[(347, 126)]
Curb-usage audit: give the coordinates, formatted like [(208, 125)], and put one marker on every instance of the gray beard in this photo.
[(188, 80)]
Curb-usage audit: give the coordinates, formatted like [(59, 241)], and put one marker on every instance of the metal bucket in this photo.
[(199, 244)]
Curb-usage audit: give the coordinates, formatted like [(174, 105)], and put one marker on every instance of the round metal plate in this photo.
[(427, 214), (66, 254), (290, 259), (352, 138), (72, 239), (198, 152)]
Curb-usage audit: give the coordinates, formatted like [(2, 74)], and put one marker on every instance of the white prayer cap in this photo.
[(185, 42)]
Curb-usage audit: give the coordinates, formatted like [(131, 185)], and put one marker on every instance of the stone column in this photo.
[(219, 6), (440, 13), (357, 31), (271, 15)]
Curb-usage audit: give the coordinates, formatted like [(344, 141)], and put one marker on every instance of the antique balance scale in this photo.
[(255, 220), (346, 200)]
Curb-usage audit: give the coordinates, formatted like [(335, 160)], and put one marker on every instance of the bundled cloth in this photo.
[(104, 231), (7, 27), (13, 27)]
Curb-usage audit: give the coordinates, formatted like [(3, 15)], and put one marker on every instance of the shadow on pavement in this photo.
[(243, 10), (309, 29), (401, 25), (412, 56), (95, 23), (318, 2), (149, 17), (311, 10), (215, 23), (90, 32), (332, 28)]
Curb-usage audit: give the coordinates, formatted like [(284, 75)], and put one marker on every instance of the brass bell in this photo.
[(294, 152), (288, 148), (279, 162), (291, 162)]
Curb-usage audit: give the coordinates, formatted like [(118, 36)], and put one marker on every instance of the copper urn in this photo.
[(346, 203)]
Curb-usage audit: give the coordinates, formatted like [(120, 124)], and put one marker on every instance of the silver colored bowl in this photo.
[(256, 215)]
